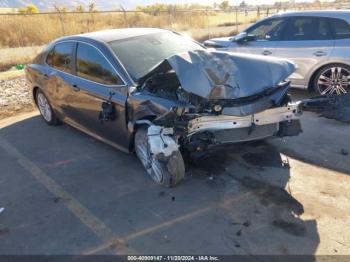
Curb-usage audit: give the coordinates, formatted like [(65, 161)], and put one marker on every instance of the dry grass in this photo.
[(22, 36), (24, 55), (218, 19), (19, 55), (19, 31), (33, 30), (11, 74)]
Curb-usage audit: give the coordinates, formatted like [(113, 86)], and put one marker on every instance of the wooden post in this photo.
[(236, 19)]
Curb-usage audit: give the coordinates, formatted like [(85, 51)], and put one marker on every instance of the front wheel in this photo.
[(165, 171), (333, 80)]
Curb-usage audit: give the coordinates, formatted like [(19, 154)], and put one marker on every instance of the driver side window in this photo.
[(268, 30)]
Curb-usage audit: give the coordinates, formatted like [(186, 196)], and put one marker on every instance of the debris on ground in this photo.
[(246, 223), (2, 209), (333, 106), (344, 152), (15, 97)]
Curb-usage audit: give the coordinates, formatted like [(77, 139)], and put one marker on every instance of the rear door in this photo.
[(265, 34), (308, 41), (96, 81), (57, 77)]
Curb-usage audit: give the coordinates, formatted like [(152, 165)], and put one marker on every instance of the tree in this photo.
[(92, 6), (224, 5), (29, 9), (79, 8), (243, 4)]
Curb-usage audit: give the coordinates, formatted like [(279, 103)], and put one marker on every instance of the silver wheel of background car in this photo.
[(44, 107), (333, 80), (167, 171)]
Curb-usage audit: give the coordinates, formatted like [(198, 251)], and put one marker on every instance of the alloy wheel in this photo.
[(334, 80)]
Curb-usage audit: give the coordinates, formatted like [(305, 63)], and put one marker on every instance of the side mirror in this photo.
[(244, 37), (240, 37)]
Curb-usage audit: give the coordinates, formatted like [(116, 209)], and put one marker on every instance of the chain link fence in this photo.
[(22, 35), (20, 30)]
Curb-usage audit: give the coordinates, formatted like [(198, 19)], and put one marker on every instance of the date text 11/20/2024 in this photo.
[(173, 258)]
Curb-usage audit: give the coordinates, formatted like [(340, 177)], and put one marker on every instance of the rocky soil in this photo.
[(15, 97)]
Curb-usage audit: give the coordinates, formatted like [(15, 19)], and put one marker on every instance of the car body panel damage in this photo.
[(213, 98), (223, 75), (160, 141), (269, 116)]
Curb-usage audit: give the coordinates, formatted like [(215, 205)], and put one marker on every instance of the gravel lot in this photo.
[(15, 97)]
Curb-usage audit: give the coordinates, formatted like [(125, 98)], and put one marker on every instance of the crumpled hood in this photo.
[(224, 75)]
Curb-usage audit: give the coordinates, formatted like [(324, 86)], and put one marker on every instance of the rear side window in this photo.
[(60, 57), (341, 28), (307, 28), (92, 65)]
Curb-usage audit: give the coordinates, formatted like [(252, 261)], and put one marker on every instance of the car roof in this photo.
[(111, 35), (344, 14)]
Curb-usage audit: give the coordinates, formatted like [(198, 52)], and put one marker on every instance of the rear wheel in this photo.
[(165, 171), (46, 109), (333, 79)]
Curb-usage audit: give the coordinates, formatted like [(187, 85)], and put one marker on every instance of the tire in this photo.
[(165, 171), (332, 79), (45, 109)]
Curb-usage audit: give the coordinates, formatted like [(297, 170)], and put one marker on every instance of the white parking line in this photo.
[(99, 228)]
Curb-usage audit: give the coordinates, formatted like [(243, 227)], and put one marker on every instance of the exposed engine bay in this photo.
[(198, 100)]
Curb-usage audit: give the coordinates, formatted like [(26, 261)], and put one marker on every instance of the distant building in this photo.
[(5, 10)]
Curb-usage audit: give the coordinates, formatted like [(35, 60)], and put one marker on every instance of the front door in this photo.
[(263, 38), (97, 81)]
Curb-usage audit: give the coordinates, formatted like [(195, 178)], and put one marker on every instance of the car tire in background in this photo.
[(332, 79), (167, 171), (45, 109)]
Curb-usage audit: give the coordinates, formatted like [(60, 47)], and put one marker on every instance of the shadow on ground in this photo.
[(233, 201)]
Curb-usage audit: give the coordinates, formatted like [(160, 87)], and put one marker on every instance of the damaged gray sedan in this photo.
[(161, 95)]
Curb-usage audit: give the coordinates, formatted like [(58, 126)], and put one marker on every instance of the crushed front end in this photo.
[(202, 100)]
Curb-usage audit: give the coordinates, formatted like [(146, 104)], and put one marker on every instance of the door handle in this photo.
[(76, 88), (267, 52), (320, 53), (46, 76)]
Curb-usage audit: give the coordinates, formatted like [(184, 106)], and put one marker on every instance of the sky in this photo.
[(128, 4), (232, 2)]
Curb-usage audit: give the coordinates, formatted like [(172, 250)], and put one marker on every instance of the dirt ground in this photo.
[(15, 96), (65, 193)]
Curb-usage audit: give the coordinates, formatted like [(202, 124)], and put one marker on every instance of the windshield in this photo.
[(140, 54)]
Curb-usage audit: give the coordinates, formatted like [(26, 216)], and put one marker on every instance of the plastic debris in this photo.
[(2, 209), (333, 106), (344, 152), (19, 66)]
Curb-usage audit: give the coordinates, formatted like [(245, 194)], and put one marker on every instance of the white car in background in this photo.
[(317, 41)]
